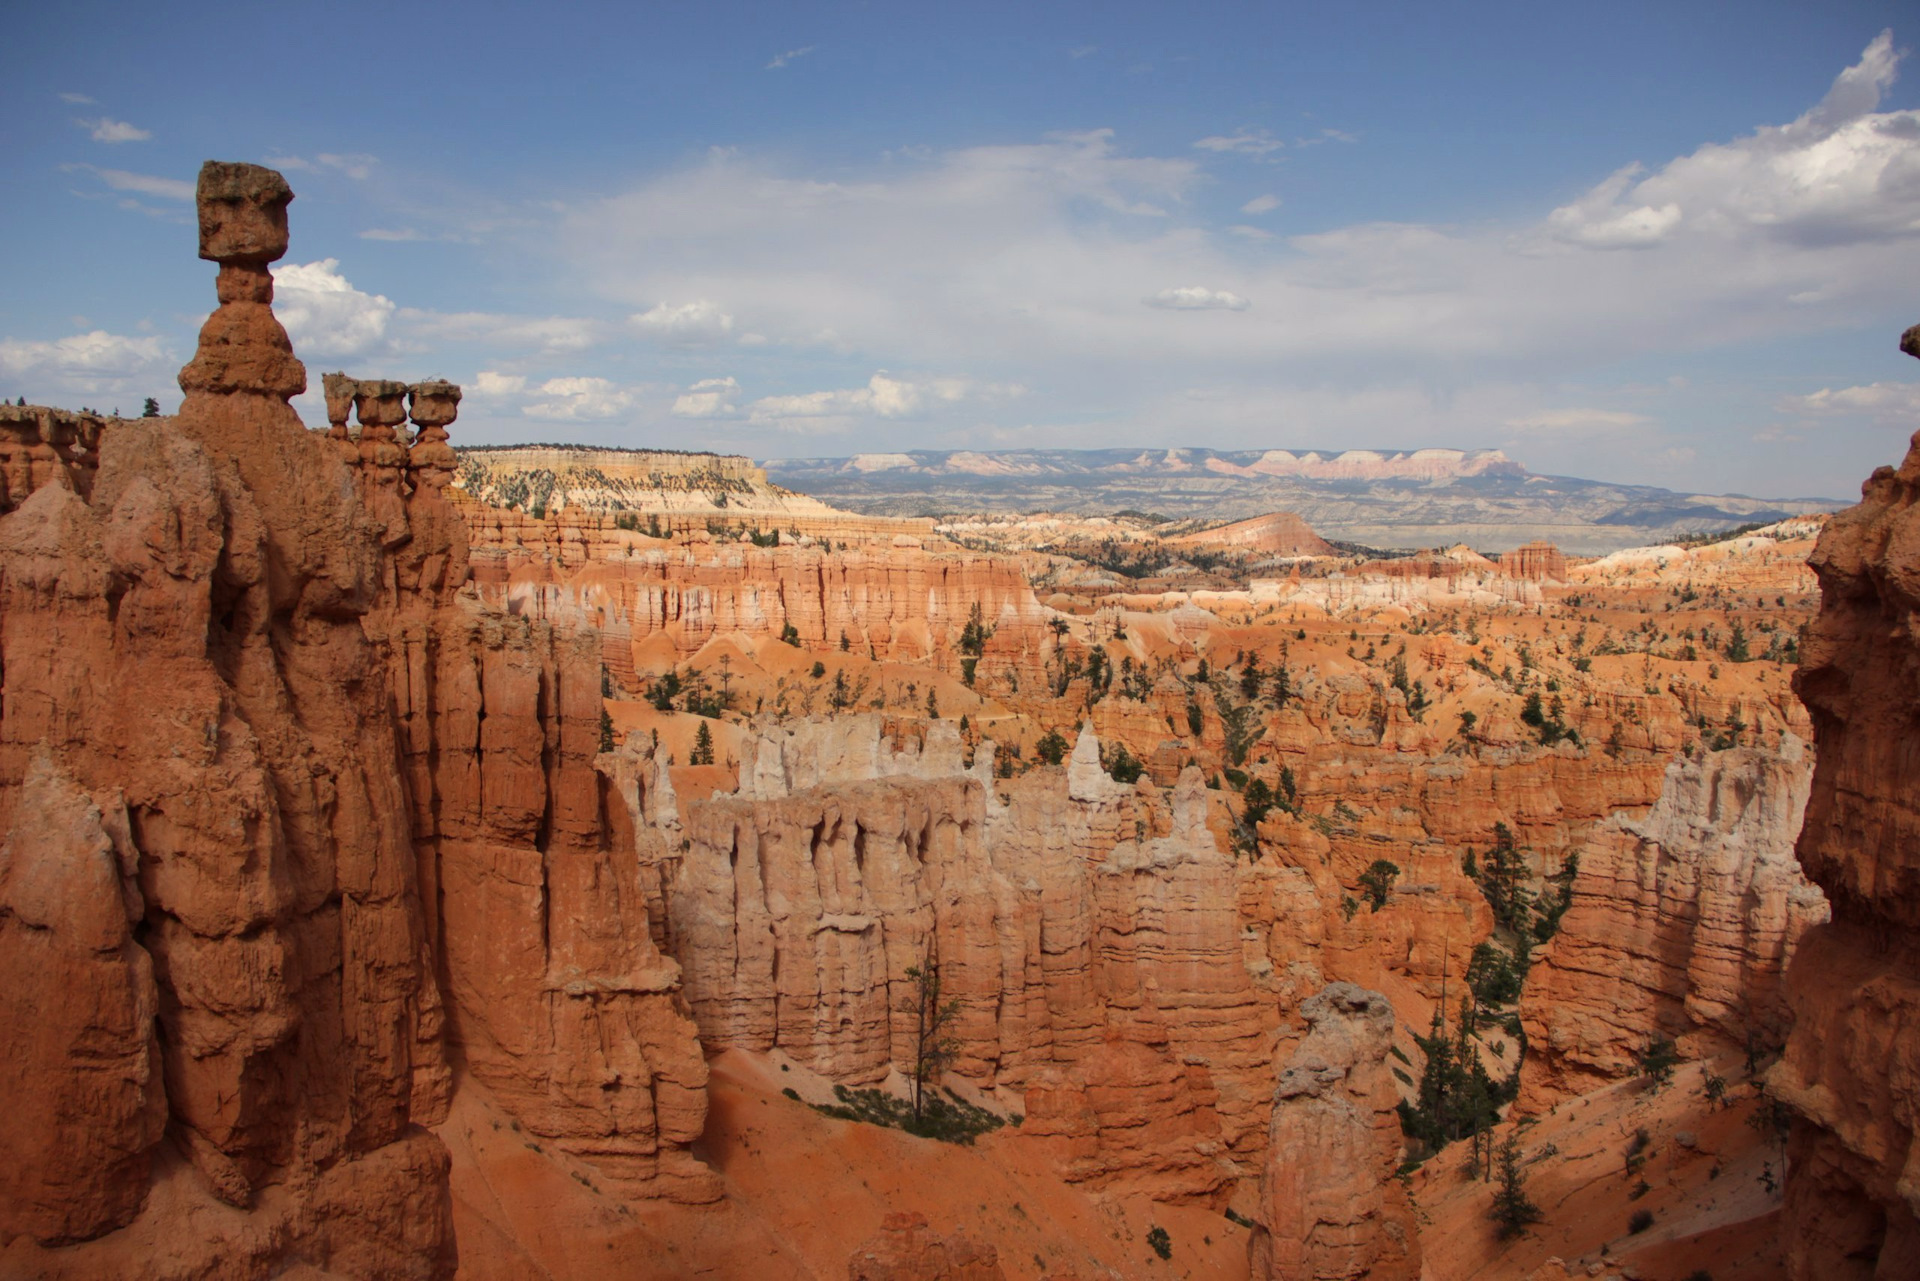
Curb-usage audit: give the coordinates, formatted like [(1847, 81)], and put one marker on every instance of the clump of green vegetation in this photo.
[(944, 1115), (1162, 1243), (1512, 1209)]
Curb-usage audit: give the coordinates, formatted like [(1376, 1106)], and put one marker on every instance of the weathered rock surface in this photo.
[(247, 831), (1682, 923), (904, 1250), (271, 784), (1090, 934), (1852, 1065), (1329, 1205)]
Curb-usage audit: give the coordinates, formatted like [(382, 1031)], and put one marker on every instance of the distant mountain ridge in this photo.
[(1388, 498)]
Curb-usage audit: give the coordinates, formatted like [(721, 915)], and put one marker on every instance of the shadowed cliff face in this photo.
[(1852, 1065)]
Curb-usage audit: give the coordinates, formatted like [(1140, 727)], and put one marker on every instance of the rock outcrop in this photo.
[(1682, 924), (904, 1250), (205, 818), (1089, 931), (1329, 1205), (292, 823), (1851, 1071)]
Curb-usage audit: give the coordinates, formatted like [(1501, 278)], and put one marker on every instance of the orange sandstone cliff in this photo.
[(1851, 1071)]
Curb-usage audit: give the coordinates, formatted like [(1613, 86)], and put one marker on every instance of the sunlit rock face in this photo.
[(1682, 925)]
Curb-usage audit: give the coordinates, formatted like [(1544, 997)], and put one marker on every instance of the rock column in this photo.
[(1330, 1207)]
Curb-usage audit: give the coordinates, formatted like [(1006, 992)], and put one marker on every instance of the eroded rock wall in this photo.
[(1851, 1070), (204, 816), (1090, 933), (1682, 924), (1329, 1204)]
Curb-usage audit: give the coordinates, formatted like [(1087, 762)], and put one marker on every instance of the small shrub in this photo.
[(791, 1093), (1162, 1243), (1640, 1222)]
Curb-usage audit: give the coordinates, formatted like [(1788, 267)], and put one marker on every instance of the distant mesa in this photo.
[(674, 491), (1276, 533), (1402, 499)]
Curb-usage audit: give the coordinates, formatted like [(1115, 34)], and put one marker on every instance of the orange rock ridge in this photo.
[(1852, 1064)]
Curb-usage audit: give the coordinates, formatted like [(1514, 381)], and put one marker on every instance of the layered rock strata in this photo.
[(1090, 933), (235, 855), (1682, 924), (1329, 1204), (293, 822), (1851, 1071), (906, 602)]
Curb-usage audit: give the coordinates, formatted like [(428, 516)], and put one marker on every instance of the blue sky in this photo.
[(1671, 244)]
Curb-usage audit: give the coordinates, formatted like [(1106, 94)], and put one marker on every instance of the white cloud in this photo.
[(488, 382), (1197, 298), (1083, 51), (884, 396), (1242, 142), (145, 184), (1842, 173), (1577, 420), (782, 59), (107, 129), (1029, 262), (519, 333), (1261, 204), (325, 315), (90, 357), (1882, 402), (581, 398), (691, 323), (77, 99), (356, 166), (1250, 233), (708, 398), (396, 233)]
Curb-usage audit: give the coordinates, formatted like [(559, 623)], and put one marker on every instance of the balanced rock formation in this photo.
[(1852, 1065), (1329, 1205), (1682, 923), (205, 819)]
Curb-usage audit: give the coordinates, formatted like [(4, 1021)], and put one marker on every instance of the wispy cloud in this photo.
[(145, 184), (1197, 298), (1882, 402), (107, 129), (1261, 204), (1243, 142), (782, 59), (393, 233), (1577, 420), (77, 99), (357, 166), (1080, 51)]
